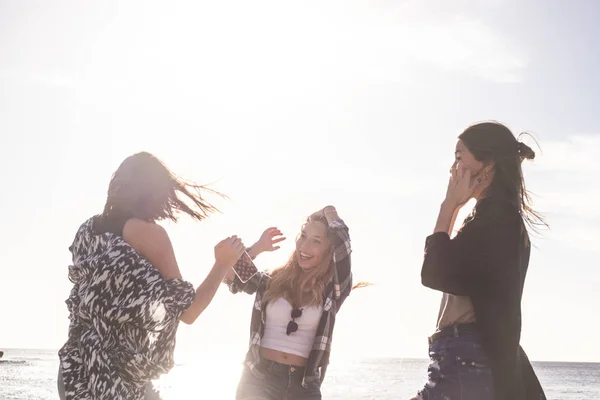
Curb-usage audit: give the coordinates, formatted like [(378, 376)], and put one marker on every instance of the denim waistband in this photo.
[(458, 330), (281, 369)]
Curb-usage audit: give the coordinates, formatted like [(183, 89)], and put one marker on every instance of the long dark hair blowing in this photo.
[(492, 142), (143, 187)]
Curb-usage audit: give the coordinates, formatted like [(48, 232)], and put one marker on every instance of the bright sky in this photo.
[(288, 107)]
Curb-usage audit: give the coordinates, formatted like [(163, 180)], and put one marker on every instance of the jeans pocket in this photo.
[(475, 375), (472, 358)]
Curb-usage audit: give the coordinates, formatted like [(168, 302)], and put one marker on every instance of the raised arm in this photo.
[(454, 265), (479, 256), (152, 242), (342, 249)]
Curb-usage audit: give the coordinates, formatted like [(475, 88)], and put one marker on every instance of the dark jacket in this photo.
[(487, 261)]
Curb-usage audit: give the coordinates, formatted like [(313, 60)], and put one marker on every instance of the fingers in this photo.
[(273, 231), (223, 242), (236, 242), (237, 246), (231, 241), (453, 172), (462, 173), (279, 239)]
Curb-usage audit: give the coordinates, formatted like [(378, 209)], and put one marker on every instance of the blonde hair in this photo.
[(297, 286)]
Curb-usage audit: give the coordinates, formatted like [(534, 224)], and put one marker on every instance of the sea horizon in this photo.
[(30, 374), (361, 357)]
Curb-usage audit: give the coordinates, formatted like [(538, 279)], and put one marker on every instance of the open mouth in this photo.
[(304, 256)]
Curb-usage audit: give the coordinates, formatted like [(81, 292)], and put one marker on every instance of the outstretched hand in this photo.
[(268, 240)]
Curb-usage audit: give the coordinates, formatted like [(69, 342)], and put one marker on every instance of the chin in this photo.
[(305, 267)]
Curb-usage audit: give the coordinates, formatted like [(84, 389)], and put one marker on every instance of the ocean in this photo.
[(31, 375)]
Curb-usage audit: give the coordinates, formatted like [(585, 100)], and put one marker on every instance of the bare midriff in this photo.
[(283, 358)]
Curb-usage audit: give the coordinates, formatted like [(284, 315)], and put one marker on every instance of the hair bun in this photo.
[(525, 152)]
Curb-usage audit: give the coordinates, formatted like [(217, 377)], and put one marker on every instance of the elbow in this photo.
[(425, 281), (424, 276), (428, 278), (187, 319)]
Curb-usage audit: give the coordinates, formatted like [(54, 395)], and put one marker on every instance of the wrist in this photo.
[(222, 268), (254, 250), (449, 205)]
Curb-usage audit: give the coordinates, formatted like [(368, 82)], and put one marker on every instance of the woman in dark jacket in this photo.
[(475, 352)]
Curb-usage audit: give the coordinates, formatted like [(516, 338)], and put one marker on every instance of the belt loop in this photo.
[(455, 330)]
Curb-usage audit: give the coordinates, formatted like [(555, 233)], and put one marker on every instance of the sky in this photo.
[(287, 107)]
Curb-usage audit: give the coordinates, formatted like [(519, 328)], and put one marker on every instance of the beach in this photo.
[(31, 375)]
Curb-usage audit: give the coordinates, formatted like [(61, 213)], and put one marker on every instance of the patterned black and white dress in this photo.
[(123, 319)]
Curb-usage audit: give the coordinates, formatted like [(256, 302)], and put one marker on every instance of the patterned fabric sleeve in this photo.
[(342, 260), (179, 296), (250, 287), (158, 306), (136, 295)]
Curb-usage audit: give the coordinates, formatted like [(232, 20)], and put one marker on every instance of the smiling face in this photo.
[(313, 245)]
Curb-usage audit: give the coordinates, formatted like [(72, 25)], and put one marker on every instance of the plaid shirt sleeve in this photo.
[(249, 287), (341, 259)]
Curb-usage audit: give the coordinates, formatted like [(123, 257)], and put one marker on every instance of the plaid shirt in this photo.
[(335, 293)]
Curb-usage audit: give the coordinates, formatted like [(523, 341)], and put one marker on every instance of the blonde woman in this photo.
[(294, 312)]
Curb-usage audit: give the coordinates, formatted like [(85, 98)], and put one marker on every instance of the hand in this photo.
[(330, 214), (461, 186), (228, 251), (268, 240)]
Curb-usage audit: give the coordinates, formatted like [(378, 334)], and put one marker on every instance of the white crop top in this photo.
[(279, 315)]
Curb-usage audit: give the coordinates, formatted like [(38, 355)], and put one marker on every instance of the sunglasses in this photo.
[(292, 325)]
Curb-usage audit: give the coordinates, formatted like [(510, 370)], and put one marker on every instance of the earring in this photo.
[(486, 174)]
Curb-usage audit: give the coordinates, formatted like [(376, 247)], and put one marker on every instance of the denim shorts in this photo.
[(280, 382), (459, 370)]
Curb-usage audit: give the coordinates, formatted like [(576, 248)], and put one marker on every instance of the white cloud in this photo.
[(251, 44)]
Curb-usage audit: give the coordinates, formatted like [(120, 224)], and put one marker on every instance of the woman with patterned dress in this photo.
[(128, 295), (294, 311)]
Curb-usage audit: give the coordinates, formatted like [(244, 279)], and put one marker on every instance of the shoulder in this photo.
[(497, 214), (138, 231), (497, 207)]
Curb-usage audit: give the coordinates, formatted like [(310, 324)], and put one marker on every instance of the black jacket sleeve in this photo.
[(476, 255)]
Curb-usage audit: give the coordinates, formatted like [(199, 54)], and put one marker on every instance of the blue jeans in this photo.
[(459, 369), (280, 382)]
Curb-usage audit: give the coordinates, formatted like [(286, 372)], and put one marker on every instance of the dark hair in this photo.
[(143, 187), (492, 142)]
